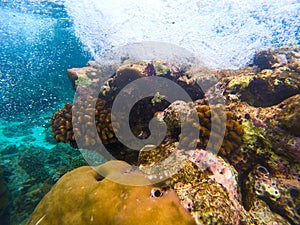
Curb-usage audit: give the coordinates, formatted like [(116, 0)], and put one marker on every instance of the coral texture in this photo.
[(233, 131), (83, 197)]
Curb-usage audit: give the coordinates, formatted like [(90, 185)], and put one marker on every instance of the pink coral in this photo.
[(222, 172)]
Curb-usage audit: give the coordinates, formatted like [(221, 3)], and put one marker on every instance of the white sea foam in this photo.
[(221, 33)]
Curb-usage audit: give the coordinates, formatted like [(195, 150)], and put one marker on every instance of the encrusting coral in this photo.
[(207, 187)]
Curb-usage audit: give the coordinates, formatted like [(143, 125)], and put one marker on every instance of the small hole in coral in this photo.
[(98, 178), (262, 170), (259, 192), (156, 193), (247, 116)]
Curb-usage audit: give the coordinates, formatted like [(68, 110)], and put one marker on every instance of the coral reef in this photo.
[(281, 57), (248, 174), (280, 195), (30, 172), (63, 123), (289, 117), (4, 198), (277, 85), (233, 131)]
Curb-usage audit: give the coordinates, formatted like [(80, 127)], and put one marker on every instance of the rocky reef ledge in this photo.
[(249, 176)]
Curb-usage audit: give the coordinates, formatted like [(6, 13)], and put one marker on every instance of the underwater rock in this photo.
[(264, 215), (266, 88), (265, 137), (265, 59), (81, 76), (208, 187), (272, 58), (83, 197), (281, 195), (290, 115)]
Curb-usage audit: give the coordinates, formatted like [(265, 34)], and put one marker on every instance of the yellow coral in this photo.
[(239, 83), (83, 197)]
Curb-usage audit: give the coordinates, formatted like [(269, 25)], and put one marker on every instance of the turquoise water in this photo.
[(38, 45), (40, 40)]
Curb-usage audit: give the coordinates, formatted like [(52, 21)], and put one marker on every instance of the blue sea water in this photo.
[(40, 40), (38, 44)]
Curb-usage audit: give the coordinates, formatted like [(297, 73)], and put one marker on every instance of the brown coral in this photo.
[(62, 127), (231, 141), (86, 81)]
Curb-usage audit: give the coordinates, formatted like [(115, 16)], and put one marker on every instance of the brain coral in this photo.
[(82, 196)]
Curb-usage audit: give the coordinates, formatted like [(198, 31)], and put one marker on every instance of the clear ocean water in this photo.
[(41, 39)]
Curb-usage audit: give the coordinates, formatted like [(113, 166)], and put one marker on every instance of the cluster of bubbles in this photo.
[(37, 45), (222, 34)]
